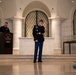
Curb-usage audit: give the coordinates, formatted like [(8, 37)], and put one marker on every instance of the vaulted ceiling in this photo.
[(8, 6)]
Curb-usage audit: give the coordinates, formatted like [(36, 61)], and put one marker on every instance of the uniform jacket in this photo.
[(4, 29), (38, 32)]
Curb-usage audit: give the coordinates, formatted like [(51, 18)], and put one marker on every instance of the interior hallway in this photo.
[(22, 67)]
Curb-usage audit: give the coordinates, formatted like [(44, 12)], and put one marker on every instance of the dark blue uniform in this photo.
[(38, 32), (4, 29)]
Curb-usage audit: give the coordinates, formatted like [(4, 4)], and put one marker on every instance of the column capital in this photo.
[(16, 17), (57, 18)]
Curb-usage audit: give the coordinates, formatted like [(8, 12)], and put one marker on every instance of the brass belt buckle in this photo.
[(39, 33)]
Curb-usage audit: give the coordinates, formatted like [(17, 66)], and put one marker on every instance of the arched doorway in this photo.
[(32, 19), (74, 23)]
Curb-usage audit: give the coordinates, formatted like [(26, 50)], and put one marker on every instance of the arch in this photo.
[(8, 6), (1, 13), (72, 17), (72, 12), (74, 22), (36, 5)]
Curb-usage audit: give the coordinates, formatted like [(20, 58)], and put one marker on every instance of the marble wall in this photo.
[(26, 46), (66, 33)]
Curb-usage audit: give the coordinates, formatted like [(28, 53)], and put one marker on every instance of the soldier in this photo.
[(4, 28), (38, 34)]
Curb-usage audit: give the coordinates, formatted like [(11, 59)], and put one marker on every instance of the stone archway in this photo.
[(39, 6), (1, 13), (36, 5)]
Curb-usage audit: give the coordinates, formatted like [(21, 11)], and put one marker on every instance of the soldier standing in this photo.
[(38, 34)]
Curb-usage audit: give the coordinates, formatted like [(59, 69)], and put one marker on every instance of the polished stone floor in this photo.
[(44, 68)]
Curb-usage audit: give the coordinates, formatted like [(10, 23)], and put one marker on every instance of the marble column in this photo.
[(50, 31), (17, 32), (56, 34)]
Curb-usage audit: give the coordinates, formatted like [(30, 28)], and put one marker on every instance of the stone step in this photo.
[(45, 57)]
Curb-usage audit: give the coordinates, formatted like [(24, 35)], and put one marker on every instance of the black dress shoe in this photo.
[(34, 61), (40, 61)]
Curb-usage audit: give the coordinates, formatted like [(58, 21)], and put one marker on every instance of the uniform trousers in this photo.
[(38, 51)]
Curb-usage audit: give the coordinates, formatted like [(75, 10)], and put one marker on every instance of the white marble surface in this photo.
[(26, 46), (44, 68)]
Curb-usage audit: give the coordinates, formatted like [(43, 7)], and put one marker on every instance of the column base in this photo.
[(57, 51), (15, 51)]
